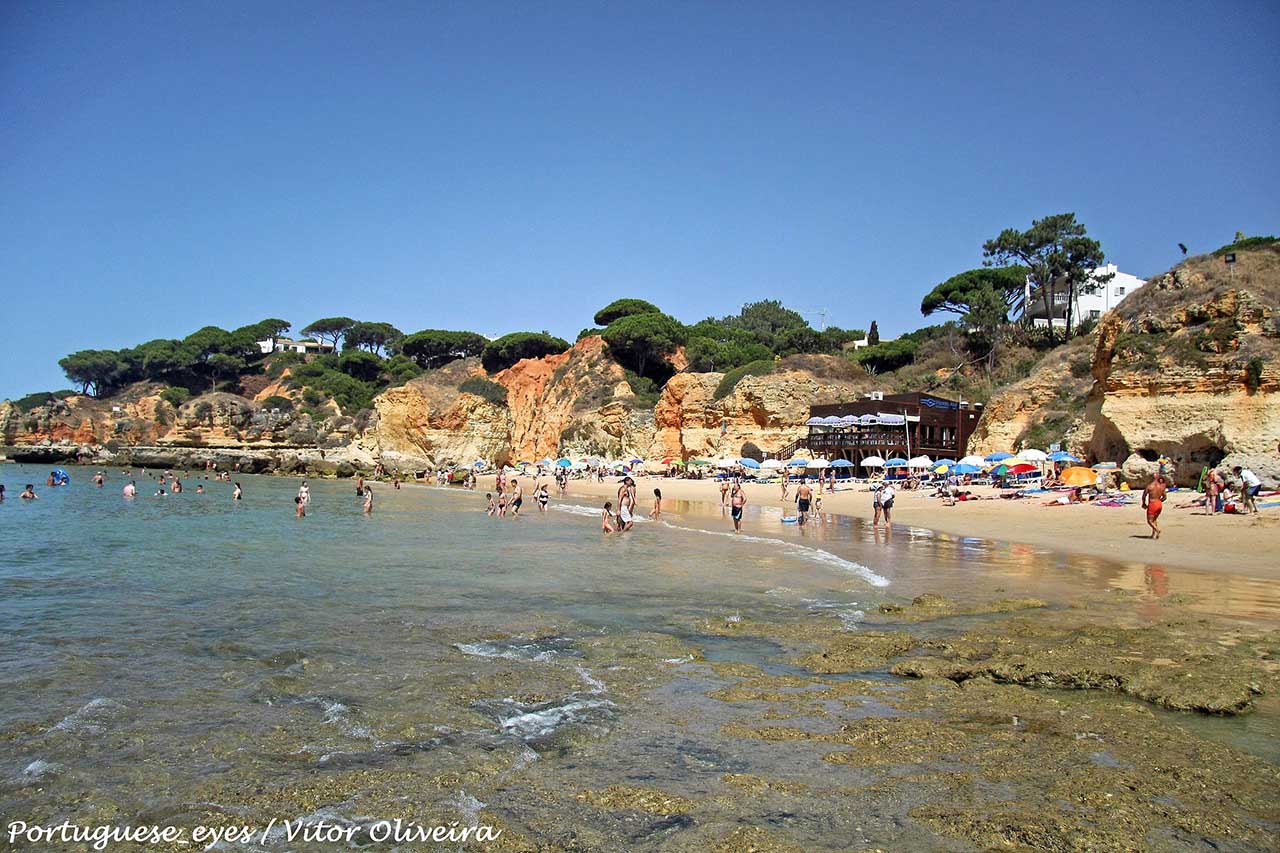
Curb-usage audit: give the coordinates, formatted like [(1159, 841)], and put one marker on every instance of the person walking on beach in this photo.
[(300, 507), (1153, 502), (886, 503), (804, 499), (238, 493), (737, 500), (626, 504), (657, 504), (784, 484), (1250, 485), (724, 492)]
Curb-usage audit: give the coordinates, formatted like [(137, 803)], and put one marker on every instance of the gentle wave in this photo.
[(538, 649), (805, 552), (91, 719), (592, 511)]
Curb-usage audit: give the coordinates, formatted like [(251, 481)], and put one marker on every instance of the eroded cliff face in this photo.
[(767, 411), (1185, 368)]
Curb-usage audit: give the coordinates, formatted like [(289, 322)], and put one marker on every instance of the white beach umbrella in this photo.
[(819, 463), (973, 460), (726, 462), (772, 464), (1033, 455), (873, 462), (919, 462)]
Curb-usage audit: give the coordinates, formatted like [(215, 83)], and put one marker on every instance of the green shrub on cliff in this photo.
[(432, 348), (175, 395), (620, 308), (733, 377), (494, 392)]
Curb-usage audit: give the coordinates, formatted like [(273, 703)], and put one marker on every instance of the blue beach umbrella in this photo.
[(1062, 456), (965, 469), (564, 463), (841, 463), (798, 463), (896, 462), (998, 456), (748, 463)]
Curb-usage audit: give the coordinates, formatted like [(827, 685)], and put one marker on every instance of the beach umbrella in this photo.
[(896, 462), (943, 467), (798, 463), (1062, 456), (972, 460), (678, 463), (699, 461), (726, 462), (1105, 466), (818, 463), (919, 462), (813, 422), (566, 462), (999, 470), (748, 463), (636, 461), (479, 463), (1079, 477), (841, 463), (998, 456), (771, 464), (1022, 468), (873, 462), (965, 468), (1033, 455)]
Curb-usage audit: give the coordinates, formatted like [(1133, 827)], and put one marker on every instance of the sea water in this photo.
[(191, 659)]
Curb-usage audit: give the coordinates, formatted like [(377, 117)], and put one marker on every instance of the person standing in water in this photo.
[(543, 497), (886, 503), (737, 500), (368, 500), (1153, 503), (304, 492), (657, 504), (29, 494), (300, 508), (606, 517), (98, 479), (238, 493), (804, 499), (130, 489), (1, 493), (517, 496)]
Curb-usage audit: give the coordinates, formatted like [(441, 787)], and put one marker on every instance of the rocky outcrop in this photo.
[(766, 411), (1186, 368)]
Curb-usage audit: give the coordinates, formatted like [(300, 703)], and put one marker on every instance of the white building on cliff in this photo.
[(1089, 305)]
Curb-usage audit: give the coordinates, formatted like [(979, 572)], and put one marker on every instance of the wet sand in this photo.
[(1229, 544)]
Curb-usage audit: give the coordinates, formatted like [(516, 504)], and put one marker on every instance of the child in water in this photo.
[(300, 508), (657, 504), (492, 506), (606, 517)]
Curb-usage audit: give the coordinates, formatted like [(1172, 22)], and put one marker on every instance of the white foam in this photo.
[(529, 725), (595, 684), (593, 511), (92, 718), (804, 552), (515, 650)]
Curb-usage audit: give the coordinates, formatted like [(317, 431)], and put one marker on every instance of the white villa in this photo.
[(289, 345), (1089, 306)]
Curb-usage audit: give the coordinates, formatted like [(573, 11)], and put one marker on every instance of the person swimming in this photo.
[(29, 494)]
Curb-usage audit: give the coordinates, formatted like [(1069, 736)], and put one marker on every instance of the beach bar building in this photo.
[(888, 425)]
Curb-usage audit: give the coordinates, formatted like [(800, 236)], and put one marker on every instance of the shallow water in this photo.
[(170, 654)]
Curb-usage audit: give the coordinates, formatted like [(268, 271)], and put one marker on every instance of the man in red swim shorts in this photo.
[(1153, 502)]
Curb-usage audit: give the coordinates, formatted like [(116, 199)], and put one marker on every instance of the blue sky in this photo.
[(513, 166)]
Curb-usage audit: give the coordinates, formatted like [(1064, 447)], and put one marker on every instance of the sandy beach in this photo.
[(1229, 544)]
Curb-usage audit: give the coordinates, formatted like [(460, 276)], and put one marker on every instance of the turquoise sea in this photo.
[(192, 659)]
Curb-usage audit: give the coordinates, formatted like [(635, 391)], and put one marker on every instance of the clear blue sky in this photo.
[(512, 166)]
